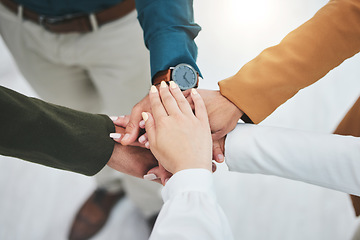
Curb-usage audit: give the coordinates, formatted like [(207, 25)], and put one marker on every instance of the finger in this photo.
[(150, 128), (200, 109), (142, 124), (143, 138), (157, 107), (119, 132), (152, 175), (168, 100), (180, 98), (158, 174), (218, 154), (132, 128), (164, 174), (191, 102), (121, 121), (187, 95)]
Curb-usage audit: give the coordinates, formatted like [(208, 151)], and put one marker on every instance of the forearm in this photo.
[(304, 56), (52, 135), (169, 32), (190, 209), (327, 160)]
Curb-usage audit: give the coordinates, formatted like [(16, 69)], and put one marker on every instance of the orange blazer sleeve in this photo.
[(304, 56)]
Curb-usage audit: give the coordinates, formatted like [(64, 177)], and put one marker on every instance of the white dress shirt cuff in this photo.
[(189, 180)]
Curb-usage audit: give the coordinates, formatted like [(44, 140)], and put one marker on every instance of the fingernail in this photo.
[(150, 177), (166, 180), (193, 91), (142, 139), (145, 116), (163, 84), (115, 135), (126, 137), (173, 84), (220, 157), (153, 89), (114, 118), (142, 123), (147, 145)]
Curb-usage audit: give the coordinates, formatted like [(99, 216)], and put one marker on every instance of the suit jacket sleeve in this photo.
[(52, 135), (304, 56)]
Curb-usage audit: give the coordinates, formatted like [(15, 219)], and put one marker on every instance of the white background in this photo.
[(39, 203)]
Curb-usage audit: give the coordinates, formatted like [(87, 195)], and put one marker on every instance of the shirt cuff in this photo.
[(241, 143), (189, 180)]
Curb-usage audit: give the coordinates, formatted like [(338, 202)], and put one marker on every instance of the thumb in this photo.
[(218, 153), (132, 128)]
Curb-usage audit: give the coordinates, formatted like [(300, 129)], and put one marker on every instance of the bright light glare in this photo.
[(252, 11)]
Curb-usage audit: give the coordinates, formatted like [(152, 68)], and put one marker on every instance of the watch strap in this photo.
[(162, 76)]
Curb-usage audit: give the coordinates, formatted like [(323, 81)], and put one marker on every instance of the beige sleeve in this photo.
[(304, 56)]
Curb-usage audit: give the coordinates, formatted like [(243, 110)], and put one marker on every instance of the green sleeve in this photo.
[(52, 135)]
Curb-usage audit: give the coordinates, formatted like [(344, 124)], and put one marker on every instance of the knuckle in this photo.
[(131, 125)]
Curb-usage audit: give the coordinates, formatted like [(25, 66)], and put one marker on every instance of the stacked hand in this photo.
[(132, 160), (223, 116), (178, 138)]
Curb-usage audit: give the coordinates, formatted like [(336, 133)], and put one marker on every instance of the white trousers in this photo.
[(105, 71)]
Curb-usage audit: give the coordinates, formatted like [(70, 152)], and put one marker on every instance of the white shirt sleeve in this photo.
[(327, 160), (190, 209)]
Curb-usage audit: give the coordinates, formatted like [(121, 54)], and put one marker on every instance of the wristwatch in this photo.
[(184, 75)]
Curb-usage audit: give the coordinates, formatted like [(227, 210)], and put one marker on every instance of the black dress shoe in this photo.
[(94, 213)]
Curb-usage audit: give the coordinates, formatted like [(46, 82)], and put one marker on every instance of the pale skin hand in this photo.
[(178, 138), (223, 117)]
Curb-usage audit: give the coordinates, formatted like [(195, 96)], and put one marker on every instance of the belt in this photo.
[(80, 23)]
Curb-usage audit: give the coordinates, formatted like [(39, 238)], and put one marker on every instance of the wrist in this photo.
[(193, 165)]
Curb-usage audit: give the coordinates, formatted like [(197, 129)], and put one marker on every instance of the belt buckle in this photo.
[(45, 20)]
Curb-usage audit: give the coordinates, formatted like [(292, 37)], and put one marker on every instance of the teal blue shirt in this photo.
[(168, 25)]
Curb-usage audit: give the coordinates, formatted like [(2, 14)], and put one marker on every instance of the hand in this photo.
[(131, 160), (160, 175), (178, 138), (132, 130), (120, 124), (223, 117), (135, 161)]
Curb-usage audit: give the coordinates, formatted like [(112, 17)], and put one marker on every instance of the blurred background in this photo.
[(39, 203)]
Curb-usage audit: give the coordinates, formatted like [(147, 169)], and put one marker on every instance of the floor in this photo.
[(38, 203)]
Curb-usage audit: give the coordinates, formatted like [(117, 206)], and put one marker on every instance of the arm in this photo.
[(190, 210), (63, 138), (304, 56), (169, 33), (327, 160)]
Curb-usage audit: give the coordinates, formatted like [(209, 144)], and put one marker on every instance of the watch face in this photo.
[(185, 76)]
